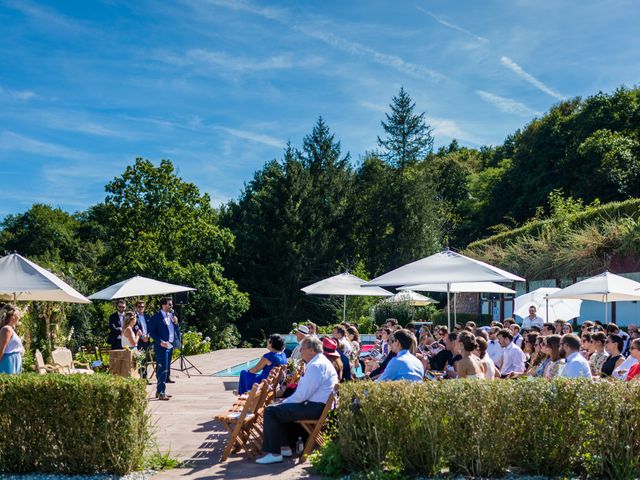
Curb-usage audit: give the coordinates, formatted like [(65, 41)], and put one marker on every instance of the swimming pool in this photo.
[(236, 369)]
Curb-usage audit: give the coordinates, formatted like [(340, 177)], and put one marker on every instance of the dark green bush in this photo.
[(440, 318), (483, 429), (72, 423)]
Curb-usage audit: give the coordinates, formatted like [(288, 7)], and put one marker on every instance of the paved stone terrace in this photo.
[(185, 427)]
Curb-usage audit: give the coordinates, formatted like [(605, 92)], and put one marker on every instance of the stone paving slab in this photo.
[(184, 424)]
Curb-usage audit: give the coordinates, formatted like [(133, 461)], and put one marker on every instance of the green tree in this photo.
[(408, 137)]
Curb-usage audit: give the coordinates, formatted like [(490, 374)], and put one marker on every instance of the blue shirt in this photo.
[(404, 366)]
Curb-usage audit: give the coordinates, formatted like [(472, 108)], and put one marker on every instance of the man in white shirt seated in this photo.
[(517, 338), (512, 356), (494, 349), (533, 320), (306, 403), (577, 366), (340, 334)]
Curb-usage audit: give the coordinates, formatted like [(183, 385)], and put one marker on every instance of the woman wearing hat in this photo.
[(330, 349), (273, 358)]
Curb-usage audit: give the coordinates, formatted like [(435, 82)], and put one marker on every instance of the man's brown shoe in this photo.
[(162, 396)]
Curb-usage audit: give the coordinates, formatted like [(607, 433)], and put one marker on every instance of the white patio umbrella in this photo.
[(138, 287), (460, 287), (548, 309), (444, 267), (23, 280), (606, 287), (346, 285), (414, 298)]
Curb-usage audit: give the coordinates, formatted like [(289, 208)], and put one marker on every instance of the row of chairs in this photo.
[(245, 419), (63, 362)]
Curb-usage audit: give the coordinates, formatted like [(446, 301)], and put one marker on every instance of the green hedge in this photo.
[(482, 429), (72, 423), (627, 208)]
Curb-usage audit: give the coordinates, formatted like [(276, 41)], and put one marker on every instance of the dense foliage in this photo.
[(73, 424), (546, 191), (485, 429)]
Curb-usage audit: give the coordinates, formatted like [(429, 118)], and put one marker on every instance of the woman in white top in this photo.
[(490, 370), (11, 349), (129, 337)]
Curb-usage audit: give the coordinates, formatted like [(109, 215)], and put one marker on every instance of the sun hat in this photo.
[(330, 347), (303, 329)]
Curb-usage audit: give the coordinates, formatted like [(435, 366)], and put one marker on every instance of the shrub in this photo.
[(482, 429), (73, 424), (193, 343)]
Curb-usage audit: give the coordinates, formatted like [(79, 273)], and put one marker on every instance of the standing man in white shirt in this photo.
[(306, 403), (512, 356), (517, 338), (577, 366), (533, 320)]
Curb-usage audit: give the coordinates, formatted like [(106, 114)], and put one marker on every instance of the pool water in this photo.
[(236, 369)]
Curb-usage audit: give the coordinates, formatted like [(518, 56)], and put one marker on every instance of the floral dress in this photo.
[(596, 361), (553, 368)]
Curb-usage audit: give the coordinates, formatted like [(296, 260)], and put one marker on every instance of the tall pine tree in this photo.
[(409, 137)]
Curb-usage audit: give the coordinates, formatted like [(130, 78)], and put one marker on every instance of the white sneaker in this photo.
[(269, 458), (286, 452)]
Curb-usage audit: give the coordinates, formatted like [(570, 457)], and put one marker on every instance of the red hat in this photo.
[(330, 347)]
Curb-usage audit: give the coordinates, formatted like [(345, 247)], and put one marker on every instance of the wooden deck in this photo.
[(184, 424)]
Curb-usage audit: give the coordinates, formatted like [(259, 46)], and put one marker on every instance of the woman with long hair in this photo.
[(597, 353), (551, 348), (129, 336), (490, 370), (11, 349)]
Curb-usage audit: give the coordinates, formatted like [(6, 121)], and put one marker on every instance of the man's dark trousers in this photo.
[(162, 367), (276, 418)]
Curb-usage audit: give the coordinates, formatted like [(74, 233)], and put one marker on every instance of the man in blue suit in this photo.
[(164, 330)]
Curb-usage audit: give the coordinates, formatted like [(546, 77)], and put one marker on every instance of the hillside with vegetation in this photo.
[(557, 199)]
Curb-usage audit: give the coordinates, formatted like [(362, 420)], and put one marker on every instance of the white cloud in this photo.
[(13, 141), (447, 128), (376, 107), (217, 60), (254, 137), (507, 105), (453, 26), (518, 70), (17, 94)]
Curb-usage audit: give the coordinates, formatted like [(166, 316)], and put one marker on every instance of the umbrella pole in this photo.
[(606, 309), (455, 308), (448, 307), (344, 309), (547, 317)]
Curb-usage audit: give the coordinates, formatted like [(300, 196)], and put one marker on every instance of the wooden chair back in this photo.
[(238, 423)]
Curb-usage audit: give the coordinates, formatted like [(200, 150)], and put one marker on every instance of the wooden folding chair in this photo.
[(314, 427), (238, 424)]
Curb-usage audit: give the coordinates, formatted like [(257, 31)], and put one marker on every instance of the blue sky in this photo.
[(220, 86)]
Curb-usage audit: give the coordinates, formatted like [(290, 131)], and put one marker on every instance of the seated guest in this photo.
[(518, 339), (378, 370), (613, 328), (447, 357), (512, 356), (330, 350), (613, 345), (494, 350), (313, 328), (567, 328), (405, 366), (621, 372), (548, 329), (576, 366), (490, 370), (551, 348), (469, 366), (269, 360), (301, 332), (597, 354), (307, 403), (534, 356), (634, 351), (340, 334), (543, 359)]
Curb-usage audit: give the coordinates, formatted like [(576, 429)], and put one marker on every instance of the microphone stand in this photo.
[(185, 364)]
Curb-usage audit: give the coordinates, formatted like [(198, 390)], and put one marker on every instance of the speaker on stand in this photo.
[(181, 299)]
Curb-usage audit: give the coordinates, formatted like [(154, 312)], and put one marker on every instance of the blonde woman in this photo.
[(11, 348), (130, 336)]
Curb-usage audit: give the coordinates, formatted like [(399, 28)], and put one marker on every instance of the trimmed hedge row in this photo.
[(483, 429), (72, 423), (626, 208)]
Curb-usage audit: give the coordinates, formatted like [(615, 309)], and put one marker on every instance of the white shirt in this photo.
[(317, 383), (169, 324), (512, 359), (295, 355), (347, 346), (576, 367), (624, 366), (517, 339), (494, 350), (529, 322), (143, 324), (121, 316)]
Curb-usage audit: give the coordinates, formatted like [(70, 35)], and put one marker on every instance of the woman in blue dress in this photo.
[(269, 360), (11, 349)]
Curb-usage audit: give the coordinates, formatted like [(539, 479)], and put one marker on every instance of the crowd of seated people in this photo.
[(499, 351)]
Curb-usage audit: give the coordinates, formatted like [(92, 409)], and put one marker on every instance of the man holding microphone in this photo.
[(164, 331)]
